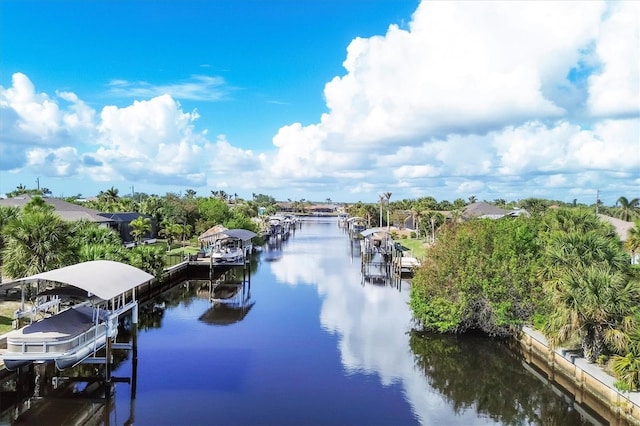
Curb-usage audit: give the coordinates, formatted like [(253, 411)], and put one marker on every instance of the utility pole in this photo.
[(38, 182), (597, 199)]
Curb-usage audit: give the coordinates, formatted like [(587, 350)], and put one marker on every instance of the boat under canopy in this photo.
[(73, 334), (232, 247)]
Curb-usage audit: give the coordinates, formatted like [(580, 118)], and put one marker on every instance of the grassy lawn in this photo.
[(416, 246), (7, 308), (177, 254), (184, 250)]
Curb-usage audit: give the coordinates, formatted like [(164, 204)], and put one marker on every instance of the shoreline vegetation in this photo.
[(558, 268), (565, 273)]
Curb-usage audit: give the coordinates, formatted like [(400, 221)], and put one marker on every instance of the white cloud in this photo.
[(493, 99), (470, 187), (197, 88), (149, 141), (155, 141), (477, 90), (60, 162), (556, 181), (37, 121), (31, 117), (616, 88), (143, 126), (611, 145)]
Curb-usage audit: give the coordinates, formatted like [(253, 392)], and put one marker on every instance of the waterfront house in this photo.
[(121, 222), (622, 228), (67, 211)]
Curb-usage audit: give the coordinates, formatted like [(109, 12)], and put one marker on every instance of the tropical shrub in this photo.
[(587, 281), (479, 275)]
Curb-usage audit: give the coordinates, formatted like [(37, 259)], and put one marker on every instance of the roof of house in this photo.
[(484, 210), (212, 233), (124, 216), (475, 210), (67, 211), (622, 227)]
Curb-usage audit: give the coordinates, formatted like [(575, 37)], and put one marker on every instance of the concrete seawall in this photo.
[(589, 383)]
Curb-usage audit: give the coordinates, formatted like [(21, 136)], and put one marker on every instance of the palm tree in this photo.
[(110, 195), (587, 283), (416, 218), (387, 196), (566, 220), (627, 367), (221, 194), (7, 214), (185, 232), (171, 232), (140, 226), (567, 250), (102, 251), (455, 216), (152, 206), (628, 208), (38, 203), (88, 233), (435, 219), (36, 241), (591, 302), (148, 258)]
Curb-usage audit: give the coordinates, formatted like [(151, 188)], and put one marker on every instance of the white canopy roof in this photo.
[(241, 234), (103, 278), (372, 231)]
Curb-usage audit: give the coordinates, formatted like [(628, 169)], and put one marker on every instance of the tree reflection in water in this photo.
[(474, 372)]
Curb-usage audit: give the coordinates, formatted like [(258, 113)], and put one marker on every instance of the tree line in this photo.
[(563, 270), (35, 239)]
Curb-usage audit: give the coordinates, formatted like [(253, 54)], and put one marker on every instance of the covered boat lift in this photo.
[(376, 255), (356, 225), (106, 290)]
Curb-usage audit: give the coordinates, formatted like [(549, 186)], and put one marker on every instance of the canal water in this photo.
[(305, 341)]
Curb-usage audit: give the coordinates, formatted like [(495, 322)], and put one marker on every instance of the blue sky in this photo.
[(322, 99)]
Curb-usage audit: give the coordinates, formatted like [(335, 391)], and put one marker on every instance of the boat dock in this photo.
[(70, 332), (382, 259)]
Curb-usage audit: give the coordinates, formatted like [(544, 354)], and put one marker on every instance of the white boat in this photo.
[(408, 265), (356, 225), (227, 251), (72, 334), (232, 247)]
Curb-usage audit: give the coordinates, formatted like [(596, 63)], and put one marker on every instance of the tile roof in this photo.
[(622, 227), (67, 211)]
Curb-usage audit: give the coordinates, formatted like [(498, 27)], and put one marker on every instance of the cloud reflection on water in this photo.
[(371, 321)]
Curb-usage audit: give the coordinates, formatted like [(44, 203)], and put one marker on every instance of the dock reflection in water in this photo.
[(319, 347)]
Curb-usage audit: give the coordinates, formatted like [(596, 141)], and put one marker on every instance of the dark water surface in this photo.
[(316, 345)]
